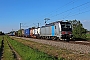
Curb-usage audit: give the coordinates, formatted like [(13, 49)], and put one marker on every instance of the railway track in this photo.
[(80, 46), (82, 42)]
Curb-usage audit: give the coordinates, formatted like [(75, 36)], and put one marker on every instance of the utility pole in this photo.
[(20, 29), (46, 19), (38, 25), (20, 26)]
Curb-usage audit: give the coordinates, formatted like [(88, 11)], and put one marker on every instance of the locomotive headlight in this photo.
[(70, 34), (70, 38)]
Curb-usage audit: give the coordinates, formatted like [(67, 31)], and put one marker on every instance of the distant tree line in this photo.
[(88, 32), (78, 30), (1, 33)]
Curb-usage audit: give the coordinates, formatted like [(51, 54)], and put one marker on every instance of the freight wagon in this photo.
[(23, 32), (27, 32), (16, 33), (34, 32), (56, 30), (12, 33), (31, 32), (20, 33)]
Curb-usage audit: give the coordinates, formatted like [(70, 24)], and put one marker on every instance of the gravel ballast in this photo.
[(65, 45)]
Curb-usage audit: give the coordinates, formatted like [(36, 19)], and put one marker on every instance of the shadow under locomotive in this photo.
[(78, 39)]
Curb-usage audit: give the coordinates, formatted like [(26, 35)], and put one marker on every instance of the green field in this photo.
[(60, 53), (88, 36), (28, 53), (25, 52), (0, 40), (29, 50), (5, 51)]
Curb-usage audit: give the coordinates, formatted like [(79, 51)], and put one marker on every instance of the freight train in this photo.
[(56, 30)]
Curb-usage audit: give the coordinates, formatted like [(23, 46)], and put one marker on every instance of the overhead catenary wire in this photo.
[(50, 13), (80, 13), (71, 13), (70, 9), (56, 10)]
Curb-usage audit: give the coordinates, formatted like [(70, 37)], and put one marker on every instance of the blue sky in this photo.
[(31, 12)]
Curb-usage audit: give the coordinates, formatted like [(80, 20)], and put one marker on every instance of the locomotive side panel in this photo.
[(53, 30), (48, 31), (42, 31), (57, 30)]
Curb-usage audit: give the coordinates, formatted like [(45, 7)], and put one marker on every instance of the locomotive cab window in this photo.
[(66, 26), (55, 27)]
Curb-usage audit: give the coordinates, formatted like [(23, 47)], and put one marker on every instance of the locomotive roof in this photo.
[(65, 22), (61, 22), (58, 22), (53, 23)]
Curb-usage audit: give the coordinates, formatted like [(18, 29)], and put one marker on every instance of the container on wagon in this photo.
[(35, 31), (16, 33), (27, 32), (31, 32), (23, 32), (12, 33), (38, 30), (20, 33)]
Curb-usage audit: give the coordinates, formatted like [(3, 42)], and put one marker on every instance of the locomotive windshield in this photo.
[(66, 26)]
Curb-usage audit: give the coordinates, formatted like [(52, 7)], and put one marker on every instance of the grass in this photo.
[(0, 45), (88, 36), (60, 53), (28, 53), (0, 40), (7, 53)]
